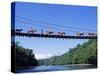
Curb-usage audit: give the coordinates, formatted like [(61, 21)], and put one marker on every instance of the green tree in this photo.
[(24, 58)]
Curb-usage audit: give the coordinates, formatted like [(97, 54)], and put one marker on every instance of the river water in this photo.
[(56, 68)]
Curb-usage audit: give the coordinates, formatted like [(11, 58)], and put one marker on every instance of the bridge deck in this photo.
[(53, 36)]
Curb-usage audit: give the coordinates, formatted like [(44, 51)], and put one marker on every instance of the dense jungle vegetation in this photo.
[(24, 58), (85, 53)]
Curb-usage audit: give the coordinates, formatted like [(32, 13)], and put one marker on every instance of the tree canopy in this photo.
[(81, 54), (24, 58)]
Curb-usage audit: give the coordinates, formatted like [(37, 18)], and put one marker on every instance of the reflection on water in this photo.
[(56, 68)]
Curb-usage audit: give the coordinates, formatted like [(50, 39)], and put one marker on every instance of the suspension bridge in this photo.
[(60, 30)]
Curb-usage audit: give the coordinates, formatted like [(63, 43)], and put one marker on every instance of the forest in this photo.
[(24, 58), (85, 53)]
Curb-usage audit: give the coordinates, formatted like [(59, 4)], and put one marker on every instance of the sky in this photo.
[(82, 17)]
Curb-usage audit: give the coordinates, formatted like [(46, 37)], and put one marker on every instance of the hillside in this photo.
[(81, 54), (25, 58)]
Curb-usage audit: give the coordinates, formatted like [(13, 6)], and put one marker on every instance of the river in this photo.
[(45, 68)]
